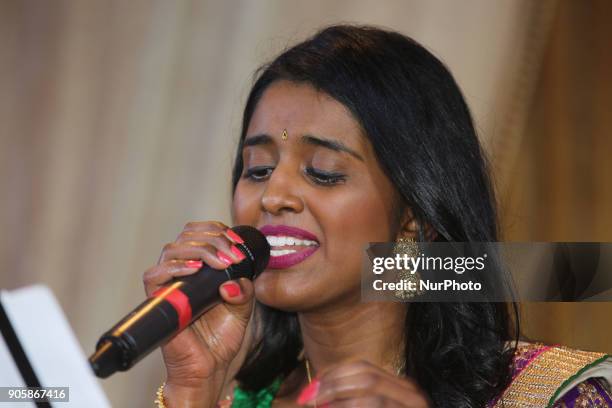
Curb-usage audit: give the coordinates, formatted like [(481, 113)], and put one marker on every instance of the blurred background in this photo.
[(118, 123)]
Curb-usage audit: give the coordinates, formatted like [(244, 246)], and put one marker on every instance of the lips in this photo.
[(289, 245)]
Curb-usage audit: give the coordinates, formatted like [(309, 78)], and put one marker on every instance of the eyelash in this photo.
[(320, 177), (251, 173), (325, 178)]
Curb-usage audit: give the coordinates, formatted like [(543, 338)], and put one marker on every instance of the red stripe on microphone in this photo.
[(179, 301)]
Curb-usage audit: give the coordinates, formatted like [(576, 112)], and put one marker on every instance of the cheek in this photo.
[(245, 205), (350, 222), (358, 217)]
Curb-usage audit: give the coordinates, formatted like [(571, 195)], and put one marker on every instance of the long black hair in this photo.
[(415, 116)]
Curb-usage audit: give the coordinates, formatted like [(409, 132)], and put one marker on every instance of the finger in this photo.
[(369, 385), (359, 366), (364, 402), (361, 379), (351, 386), (205, 226), (238, 296), (233, 236), (159, 275), (218, 239), (213, 227), (206, 236), (206, 252)]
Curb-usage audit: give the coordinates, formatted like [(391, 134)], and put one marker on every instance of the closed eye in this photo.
[(320, 177), (258, 173), (325, 178)]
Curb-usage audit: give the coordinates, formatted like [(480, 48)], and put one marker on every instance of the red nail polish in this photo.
[(225, 258), (232, 289), (238, 253), (194, 264), (309, 393), (234, 237)]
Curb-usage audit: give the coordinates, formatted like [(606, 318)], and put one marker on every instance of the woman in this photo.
[(356, 135)]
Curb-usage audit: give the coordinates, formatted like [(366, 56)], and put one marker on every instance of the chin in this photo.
[(272, 288), (290, 292), (293, 291)]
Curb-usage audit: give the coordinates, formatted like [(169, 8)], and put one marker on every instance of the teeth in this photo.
[(279, 240), (280, 252)]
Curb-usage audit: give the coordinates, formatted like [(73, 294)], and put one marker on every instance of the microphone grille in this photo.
[(256, 246)]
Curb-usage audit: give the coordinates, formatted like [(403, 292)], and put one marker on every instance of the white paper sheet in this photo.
[(51, 347)]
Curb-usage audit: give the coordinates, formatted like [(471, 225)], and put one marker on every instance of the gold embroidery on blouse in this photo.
[(536, 384), (589, 397)]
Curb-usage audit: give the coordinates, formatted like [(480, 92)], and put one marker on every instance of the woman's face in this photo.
[(318, 194)]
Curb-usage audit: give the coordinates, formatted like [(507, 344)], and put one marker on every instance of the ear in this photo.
[(410, 227)]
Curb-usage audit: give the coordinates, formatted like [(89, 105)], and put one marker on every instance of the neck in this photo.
[(372, 331)]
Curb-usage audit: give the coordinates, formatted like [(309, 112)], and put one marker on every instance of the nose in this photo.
[(282, 193)]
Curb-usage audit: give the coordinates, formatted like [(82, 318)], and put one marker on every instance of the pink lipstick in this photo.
[(289, 245)]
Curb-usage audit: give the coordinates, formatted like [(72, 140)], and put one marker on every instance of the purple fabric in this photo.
[(522, 358), (592, 393)]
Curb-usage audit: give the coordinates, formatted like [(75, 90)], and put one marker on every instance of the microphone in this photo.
[(174, 307)]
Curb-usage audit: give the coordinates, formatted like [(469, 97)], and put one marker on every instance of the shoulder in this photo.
[(544, 374)]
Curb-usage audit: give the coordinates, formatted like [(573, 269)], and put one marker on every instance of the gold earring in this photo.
[(411, 277), (284, 136)]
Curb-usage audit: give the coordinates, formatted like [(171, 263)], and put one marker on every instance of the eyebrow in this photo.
[(335, 145)]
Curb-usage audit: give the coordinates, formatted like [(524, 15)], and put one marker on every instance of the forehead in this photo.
[(301, 109)]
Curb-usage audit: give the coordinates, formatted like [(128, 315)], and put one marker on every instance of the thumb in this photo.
[(238, 297)]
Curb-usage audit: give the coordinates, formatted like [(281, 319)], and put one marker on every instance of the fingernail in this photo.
[(309, 393), (225, 258), (232, 289), (194, 264), (234, 237), (238, 253)]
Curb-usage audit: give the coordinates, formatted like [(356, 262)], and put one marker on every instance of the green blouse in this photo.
[(256, 399)]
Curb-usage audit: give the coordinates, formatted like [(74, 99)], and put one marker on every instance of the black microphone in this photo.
[(173, 307)]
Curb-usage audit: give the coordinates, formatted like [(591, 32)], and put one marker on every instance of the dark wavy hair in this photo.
[(415, 116)]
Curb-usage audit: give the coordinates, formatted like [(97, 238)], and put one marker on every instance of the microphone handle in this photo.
[(170, 309)]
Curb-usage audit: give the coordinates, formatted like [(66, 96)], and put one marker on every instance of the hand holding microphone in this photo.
[(200, 297)]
